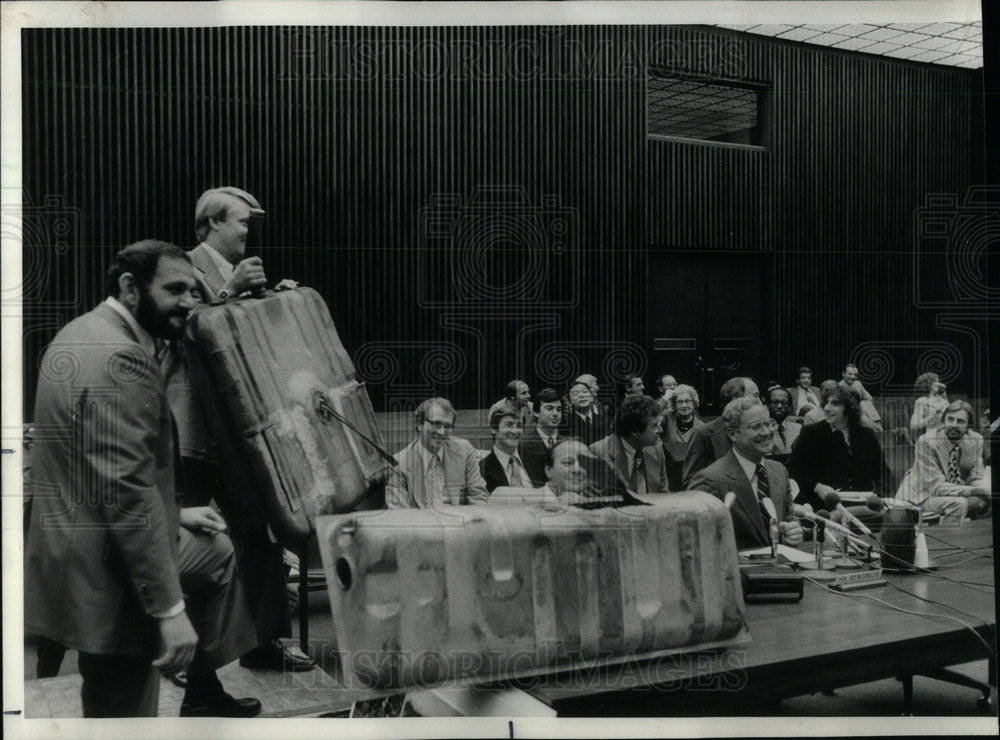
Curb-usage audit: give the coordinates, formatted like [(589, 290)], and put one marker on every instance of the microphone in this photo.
[(874, 502), (833, 501), (769, 508), (773, 524), (823, 516), (729, 500)]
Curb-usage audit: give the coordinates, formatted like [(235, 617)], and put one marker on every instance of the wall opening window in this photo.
[(700, 110)]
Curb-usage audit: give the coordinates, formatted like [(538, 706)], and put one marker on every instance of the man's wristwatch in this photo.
[(224, 295)]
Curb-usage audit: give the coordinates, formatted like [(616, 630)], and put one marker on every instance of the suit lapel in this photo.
[(746, 497), (619, 459), (209, 275), (415, 473)]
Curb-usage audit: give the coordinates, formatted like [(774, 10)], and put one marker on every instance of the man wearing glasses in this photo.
[(435, 468), (760, 485)]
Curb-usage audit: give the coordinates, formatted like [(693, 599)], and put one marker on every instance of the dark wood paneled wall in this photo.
[(477, 203)]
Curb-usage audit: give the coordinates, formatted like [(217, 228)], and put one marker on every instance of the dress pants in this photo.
[(261, 562), (119, 686)]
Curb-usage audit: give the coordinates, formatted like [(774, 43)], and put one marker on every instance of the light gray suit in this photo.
[(611, 449), (463, 480)]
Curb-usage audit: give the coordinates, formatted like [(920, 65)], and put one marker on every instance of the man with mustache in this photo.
[(113, 568), (947, 476)]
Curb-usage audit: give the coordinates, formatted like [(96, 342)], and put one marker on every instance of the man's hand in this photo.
[(202, 519), (791, 533), (285, 284), (248, 275), (179, 640)]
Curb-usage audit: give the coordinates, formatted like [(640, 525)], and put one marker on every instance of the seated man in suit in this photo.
[(598, 406), (518, 400), (804, 397), (584, 421), (754, 479), (576, 477), (869, 414), (634, 450), (546, 433), (779, 405), (666, 384), (435, 468), (710, 442), (503, 466), (947, 476)]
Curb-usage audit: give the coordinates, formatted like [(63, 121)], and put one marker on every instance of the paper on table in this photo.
[(854, 496), (790, 553)]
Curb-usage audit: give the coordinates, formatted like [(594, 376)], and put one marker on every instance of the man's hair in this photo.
[(732, 415), (733, 388), (828, 383), (548, 460), (924, 383), (512, 388), (140, 260), (847, 396), (959, 406), (633, 415), (420, 415), (659, 380), (771, 389), (547, 395), (497, 416), (576, 383), (802, 369), (850, 364), (680, 391), (215, 203)]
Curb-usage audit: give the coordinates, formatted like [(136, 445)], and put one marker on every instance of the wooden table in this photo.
[(825, 641)]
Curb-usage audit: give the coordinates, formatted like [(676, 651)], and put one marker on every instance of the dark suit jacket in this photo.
[(533, 456), (820, 456), (611, 449), (726, 475), (708, 443), (493, 472), (598, 428), (101, 545), (463, 482)]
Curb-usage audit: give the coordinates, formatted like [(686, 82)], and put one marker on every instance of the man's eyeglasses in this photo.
[(446, 425), (760, 426)]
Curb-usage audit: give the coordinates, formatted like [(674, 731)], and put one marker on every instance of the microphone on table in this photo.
[(820, 517), (876, 504), (832, 501), (774, 530)]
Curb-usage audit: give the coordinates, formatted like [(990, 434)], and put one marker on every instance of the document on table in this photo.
[(789, 553)]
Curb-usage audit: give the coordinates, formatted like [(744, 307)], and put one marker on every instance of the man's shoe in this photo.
[(277, 657), (221, 705)]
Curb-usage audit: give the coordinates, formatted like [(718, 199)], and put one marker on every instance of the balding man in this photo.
[(710, 442)]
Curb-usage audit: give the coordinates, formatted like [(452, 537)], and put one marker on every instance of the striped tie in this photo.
[(763, 492)]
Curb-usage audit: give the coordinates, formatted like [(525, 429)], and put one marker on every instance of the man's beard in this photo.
[(156, 322), (953, 434)]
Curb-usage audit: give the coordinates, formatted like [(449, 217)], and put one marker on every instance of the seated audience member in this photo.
[(518, 400), (598, 406), (634, 386), (666, 384), (947, 476), (503, 466), (778, 405), (745, 471), (679, 422), (435, 468), (817, 414), (634, 450), (584, 421), (868, 412), (804, 397), (576, 477), (839, 454), (710, 442), (928, 409), (545, 434)]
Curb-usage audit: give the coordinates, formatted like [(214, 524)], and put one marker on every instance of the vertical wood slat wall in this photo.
[(123, 128)]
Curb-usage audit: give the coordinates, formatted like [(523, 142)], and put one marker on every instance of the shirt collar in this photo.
[(749, 467), (146, 340), (225, 266), (504, 458), (545, 437), (629, 450), (426, 455)]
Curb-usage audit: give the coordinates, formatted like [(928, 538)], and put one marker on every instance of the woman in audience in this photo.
[(929, 406), (679, 422), (838, 454)]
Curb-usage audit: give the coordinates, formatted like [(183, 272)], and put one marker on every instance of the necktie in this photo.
[(160, 351), (435, 482), (550, 442), (513, 473), (954, 473), (638, 473), (763, 492), (781, 433)]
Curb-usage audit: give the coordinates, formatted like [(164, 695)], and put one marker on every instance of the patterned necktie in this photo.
[(638, 479), (954, 473), (763, 492), (513, 472), (550, 442), (435, 482), (160, 350)]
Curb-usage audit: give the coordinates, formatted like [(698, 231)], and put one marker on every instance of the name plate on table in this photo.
[(857, 580)]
